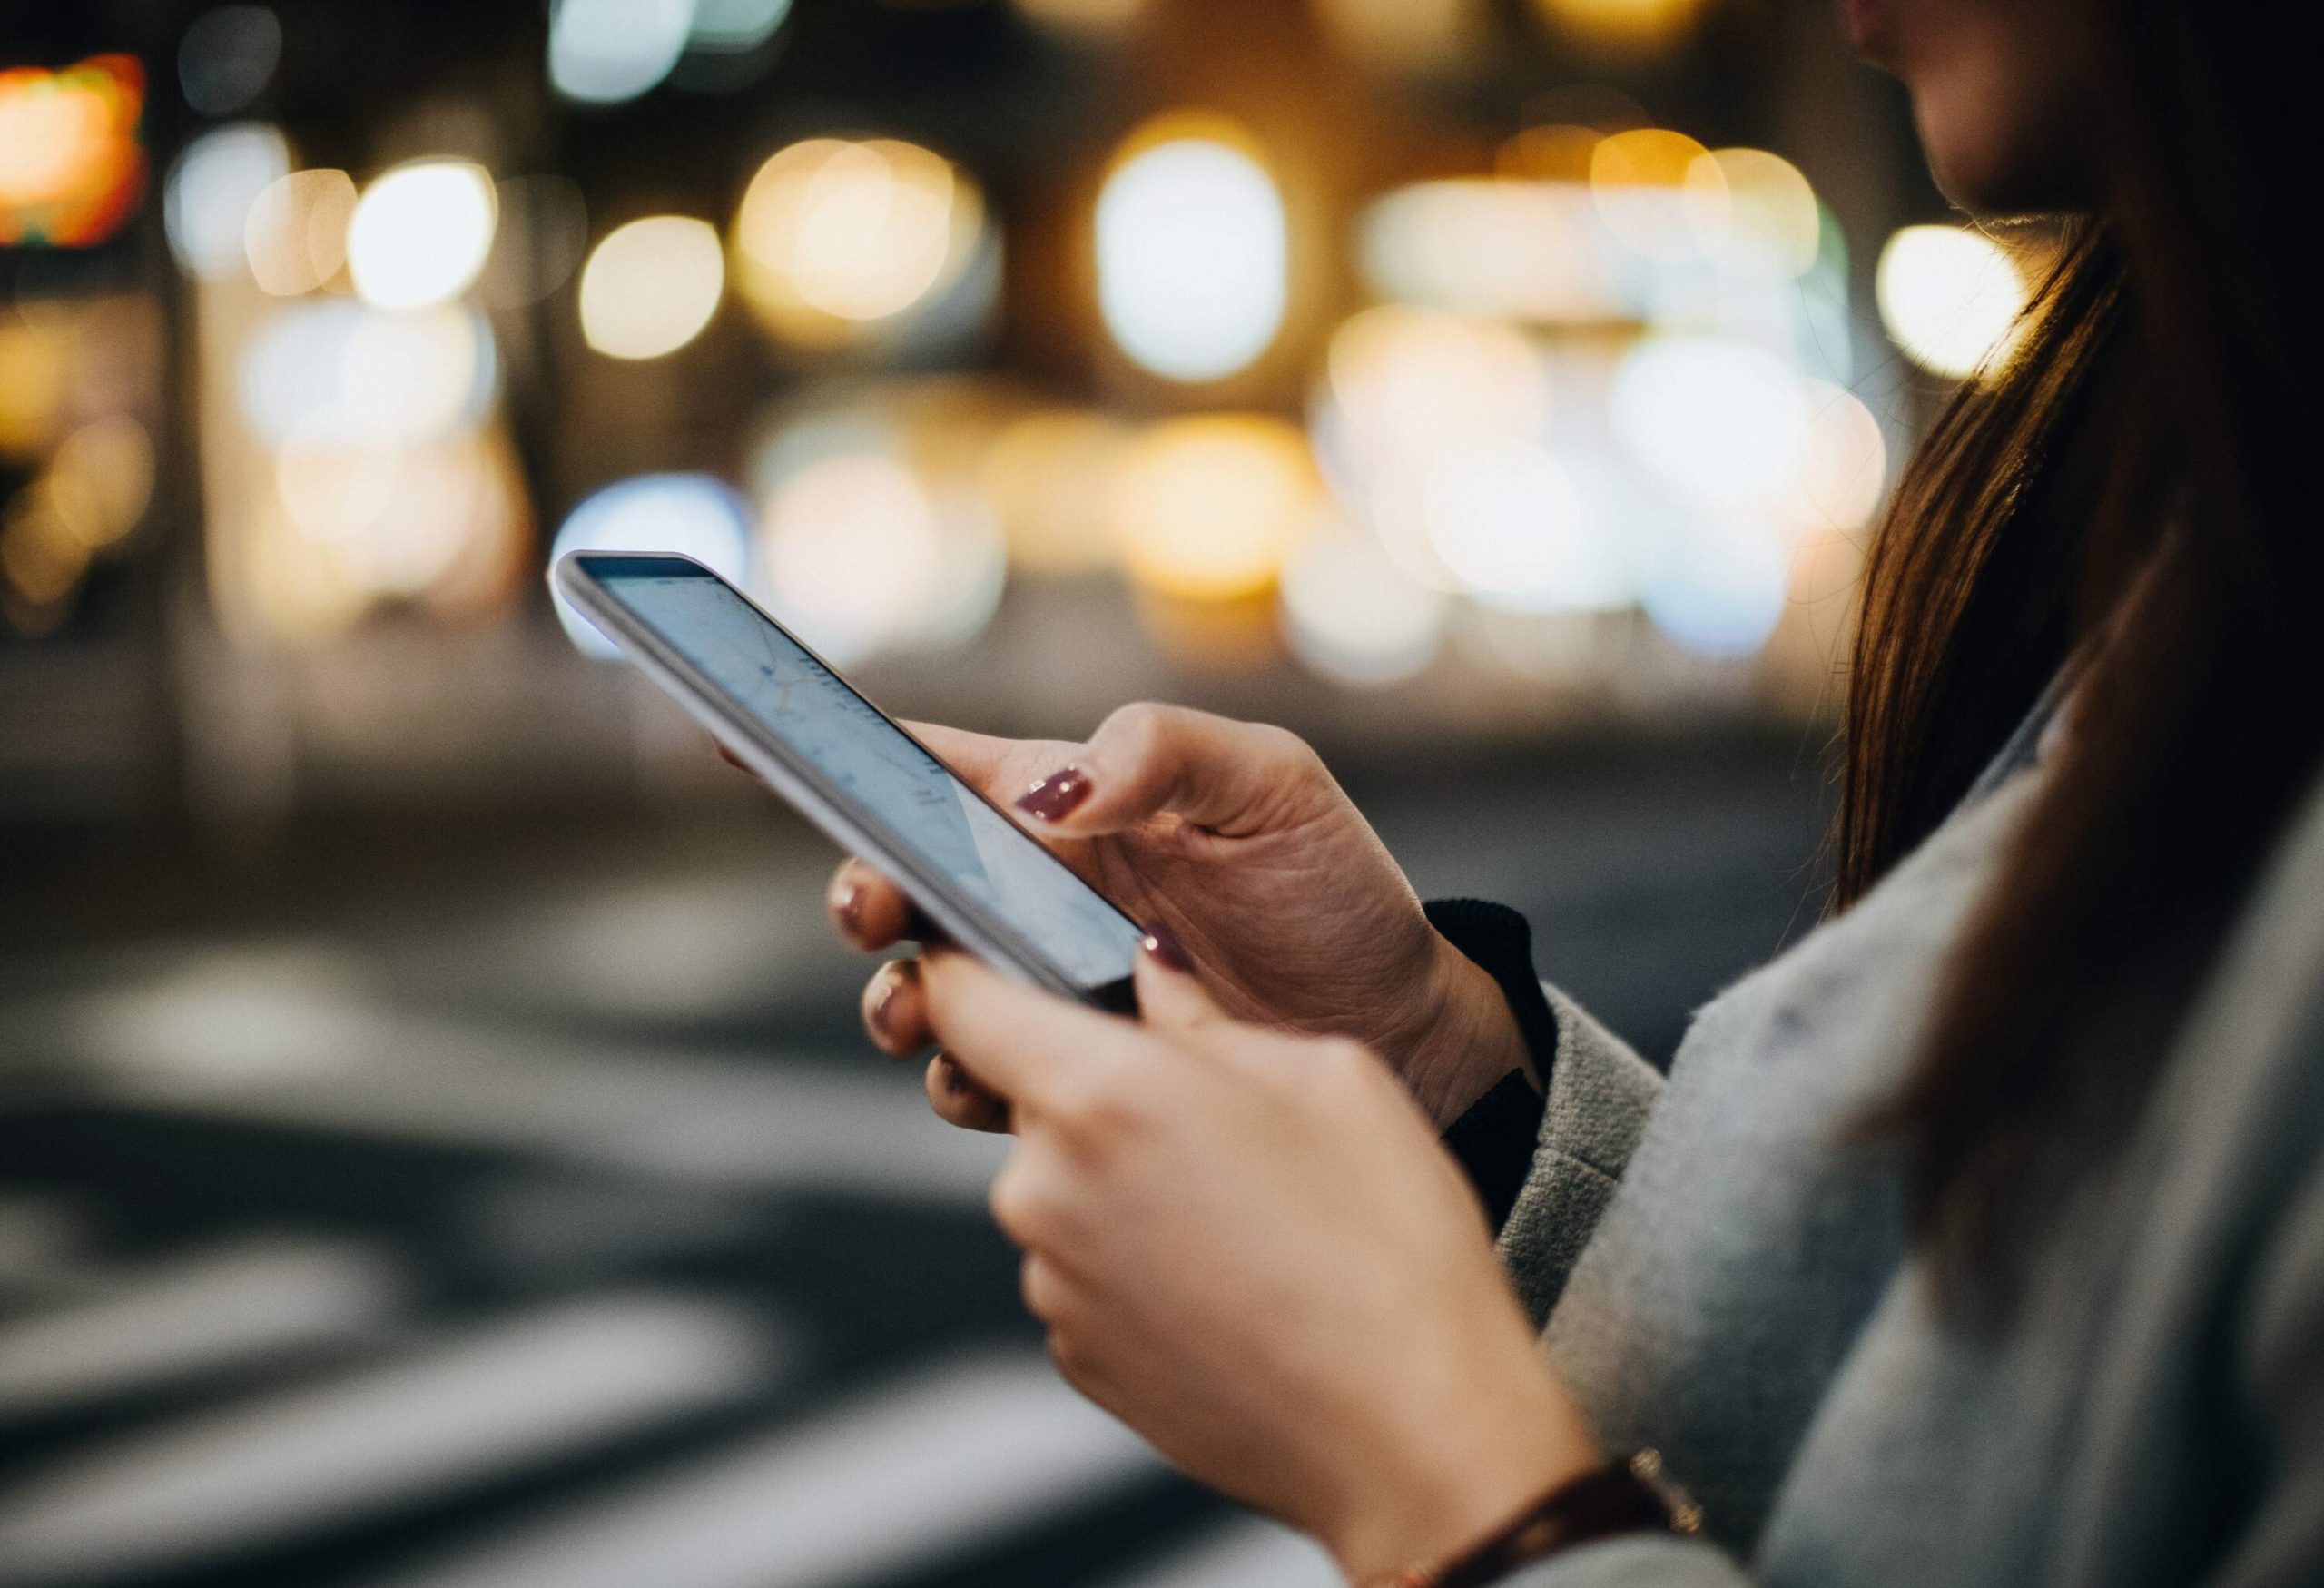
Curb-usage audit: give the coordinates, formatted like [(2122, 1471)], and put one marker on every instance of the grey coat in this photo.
[(1720, 1278)]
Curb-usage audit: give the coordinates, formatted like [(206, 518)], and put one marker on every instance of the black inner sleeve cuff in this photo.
[(1494, 1142)]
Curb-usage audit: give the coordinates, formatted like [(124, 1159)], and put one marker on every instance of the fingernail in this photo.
[(848, 907), (1057, 795), (892, 977), (1167, 952), (991, 1112)]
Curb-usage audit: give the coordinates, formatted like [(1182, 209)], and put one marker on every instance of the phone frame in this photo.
[(961, 916)]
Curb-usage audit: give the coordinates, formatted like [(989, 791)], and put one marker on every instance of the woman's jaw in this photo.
[(2004, 93)]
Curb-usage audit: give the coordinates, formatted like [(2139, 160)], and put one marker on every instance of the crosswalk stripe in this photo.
[(238, 1302), (469, 1409), (324, 1059), (961, 1450)]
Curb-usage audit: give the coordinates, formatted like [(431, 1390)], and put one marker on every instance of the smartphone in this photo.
[(854, 771)]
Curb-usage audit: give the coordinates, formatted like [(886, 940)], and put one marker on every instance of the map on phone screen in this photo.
[(907, 790)]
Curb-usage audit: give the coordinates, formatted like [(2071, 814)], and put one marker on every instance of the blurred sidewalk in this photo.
[(517, 1210)]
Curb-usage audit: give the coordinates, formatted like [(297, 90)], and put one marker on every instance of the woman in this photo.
[(1978, 1239)]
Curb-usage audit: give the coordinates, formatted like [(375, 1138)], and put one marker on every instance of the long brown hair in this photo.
[(2134, 499)]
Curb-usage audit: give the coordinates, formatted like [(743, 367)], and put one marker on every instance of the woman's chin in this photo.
[(1995, 145), (1981, 169)]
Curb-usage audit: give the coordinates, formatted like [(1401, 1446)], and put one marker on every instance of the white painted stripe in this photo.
[(310, 1056), (684, 945), (236, 1303), (1247, 1555), (480, 1405), (964, 1451)]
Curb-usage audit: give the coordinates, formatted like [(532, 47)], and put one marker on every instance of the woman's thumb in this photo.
[(1215, 772)]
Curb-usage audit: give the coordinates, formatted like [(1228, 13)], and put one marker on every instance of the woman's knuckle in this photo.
[(1281, 746), (1137, 726), (1017, 1206), (1035, 1288), (1102, 1117), (1079, 1095), (1066, 1358)]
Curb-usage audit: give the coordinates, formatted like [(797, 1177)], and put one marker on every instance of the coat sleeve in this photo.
[(2248, 1515), (1646, 1560), (1544, 1166), (1600, 1093), (2279, 1371)]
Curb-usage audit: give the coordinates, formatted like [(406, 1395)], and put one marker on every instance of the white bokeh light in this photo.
[(735, 26), (693, 515), (853, 552), (336, 372), (421, 233), (1405, 385), (211, 191), (1949, 297), (861, 552), (1192, 255), (602, 52), (1843, 467), (1508, 521), (1722, 421), (1351, 614), (1721, 593)]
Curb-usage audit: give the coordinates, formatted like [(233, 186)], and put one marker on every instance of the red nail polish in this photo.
[(1167, 952), (1057, 795)]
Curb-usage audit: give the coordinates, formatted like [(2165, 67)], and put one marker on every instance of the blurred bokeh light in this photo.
[(837, 240), (421, 232), (1207, 508), (1095, 19), (1192, 251), (295, 235), (1950, 296), (211, 191), (651, 286), (601, 51), (1628, 25), (228, 56), (689, 514), (71, 164)]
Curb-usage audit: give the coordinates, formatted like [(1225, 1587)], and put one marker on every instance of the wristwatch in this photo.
[(1635, 1496)]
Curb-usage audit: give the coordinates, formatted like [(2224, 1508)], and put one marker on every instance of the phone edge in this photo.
[(641, 647)]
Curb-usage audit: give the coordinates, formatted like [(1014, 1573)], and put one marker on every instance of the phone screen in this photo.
[(905, 792)]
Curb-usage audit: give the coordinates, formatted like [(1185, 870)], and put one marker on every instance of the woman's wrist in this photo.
[(1444, 1490), (1463, 1037)]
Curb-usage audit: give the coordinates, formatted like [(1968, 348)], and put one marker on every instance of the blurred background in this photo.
[(435, 1144)]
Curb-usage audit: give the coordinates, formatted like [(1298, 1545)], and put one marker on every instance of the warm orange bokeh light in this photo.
[(71, 166)]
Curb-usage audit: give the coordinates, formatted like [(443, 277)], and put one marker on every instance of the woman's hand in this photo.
[(1233, 840), (1248, 1246)]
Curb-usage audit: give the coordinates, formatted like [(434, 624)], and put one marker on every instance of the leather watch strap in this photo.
[(1631, 1496)]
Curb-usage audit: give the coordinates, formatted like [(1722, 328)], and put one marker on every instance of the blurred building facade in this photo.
[(1410, 373)]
